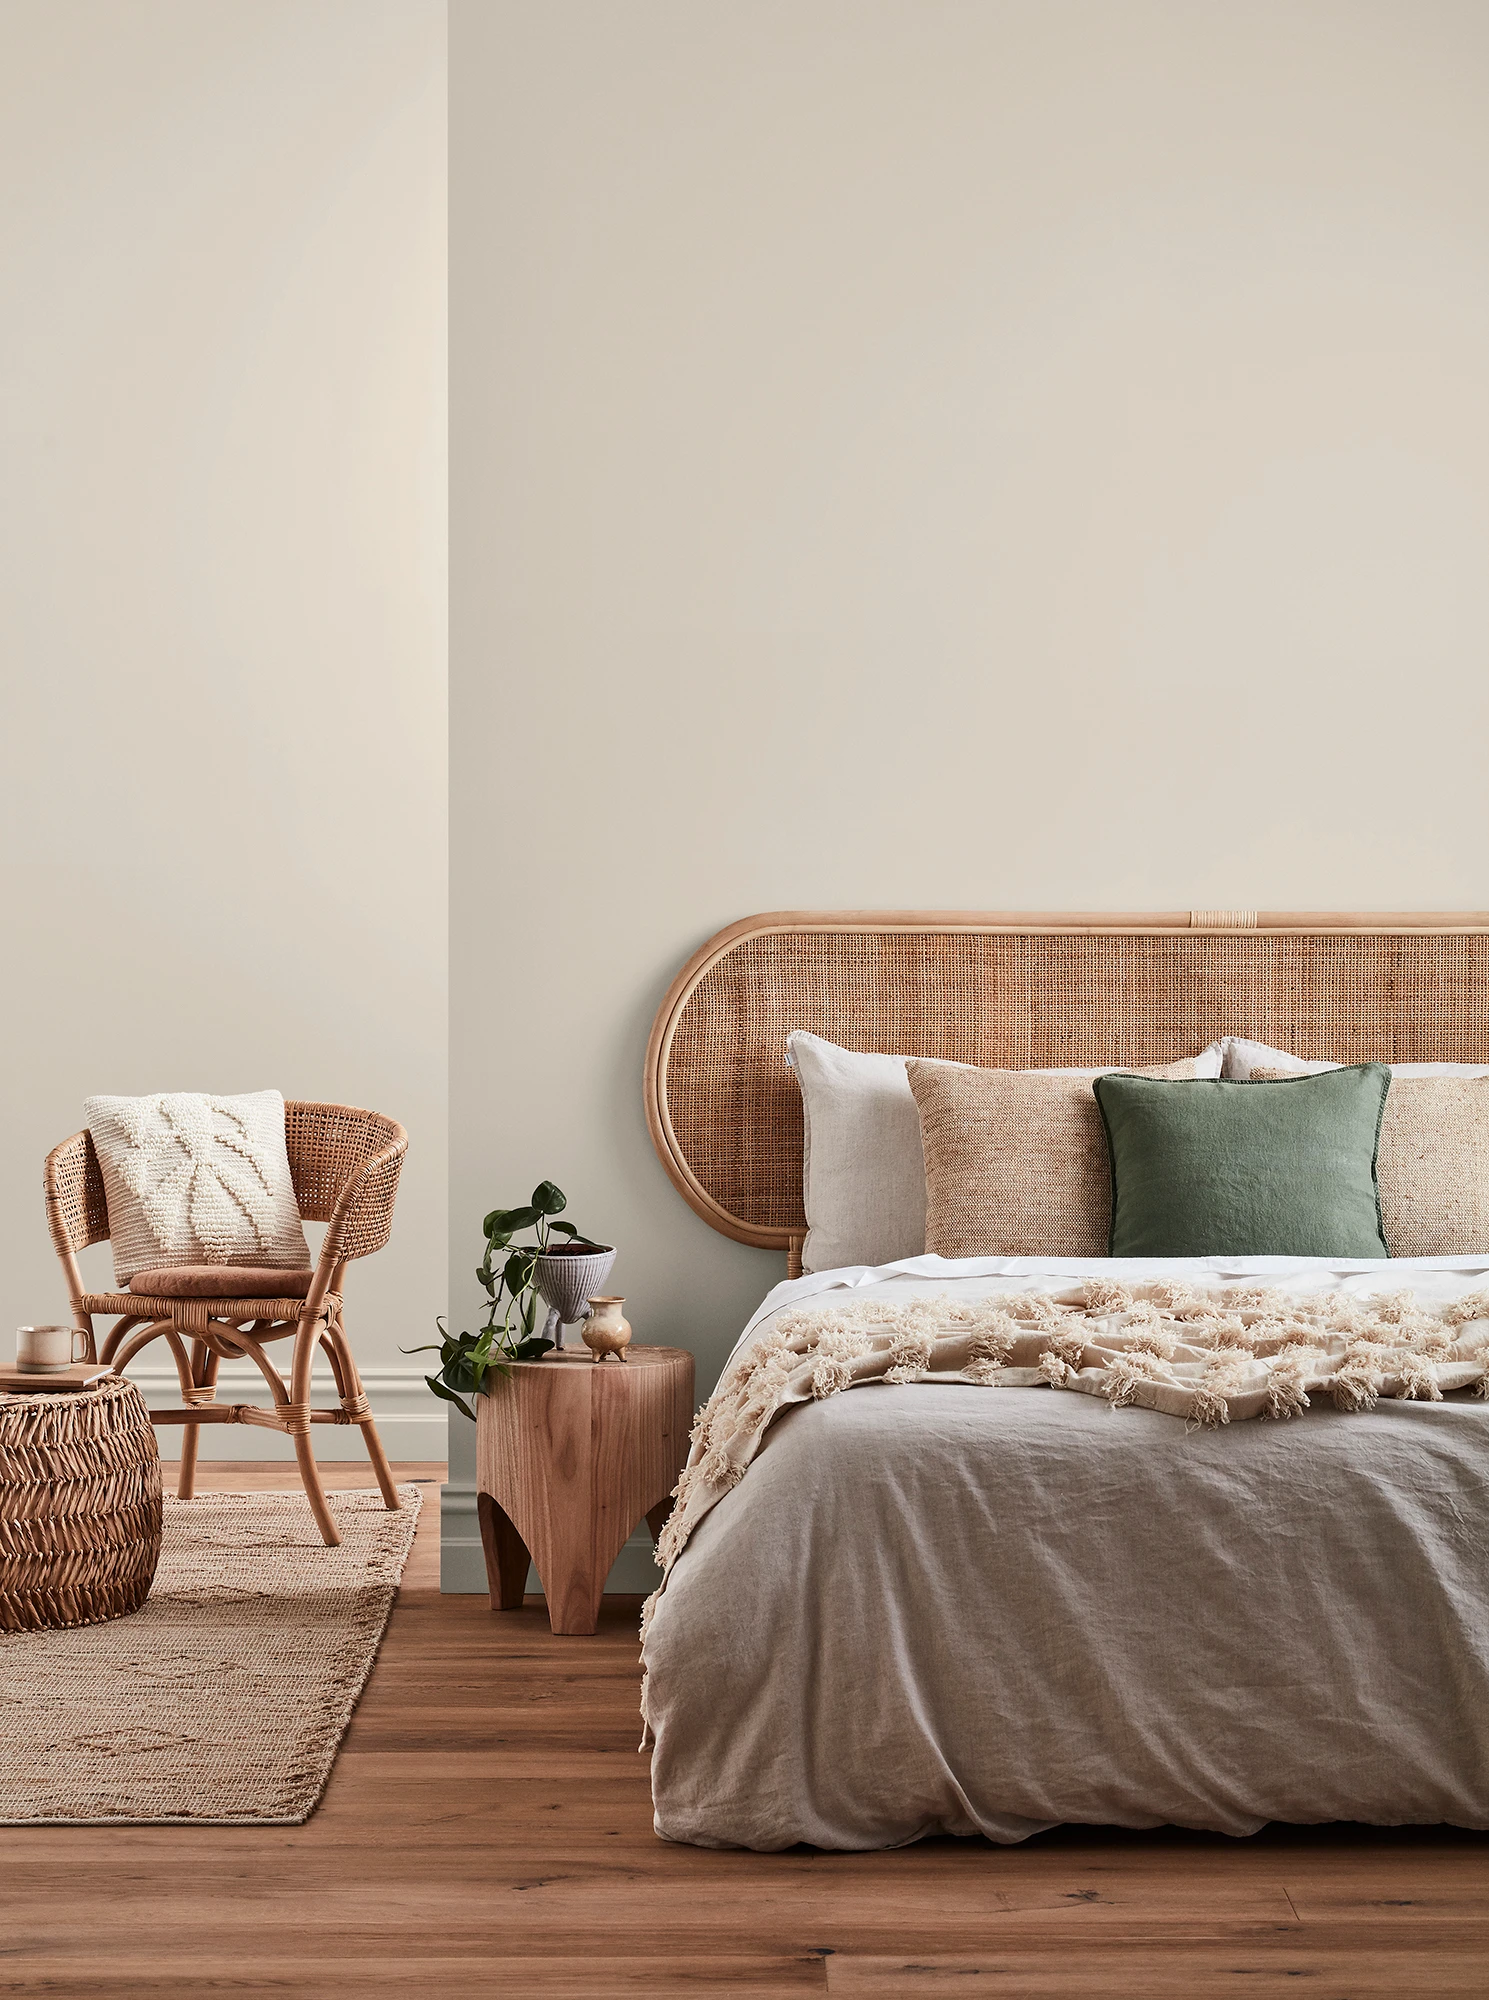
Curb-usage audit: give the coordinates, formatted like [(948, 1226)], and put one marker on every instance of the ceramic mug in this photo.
[(42, 1348)]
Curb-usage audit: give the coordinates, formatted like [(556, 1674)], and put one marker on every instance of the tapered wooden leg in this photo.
[(507, 1558)]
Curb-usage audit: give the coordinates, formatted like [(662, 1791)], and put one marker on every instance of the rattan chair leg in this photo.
[(315, 1493), (186, 1477), (297, 1418), (343, 1389), (380, 1464), (349, 1385), (204, 1364)]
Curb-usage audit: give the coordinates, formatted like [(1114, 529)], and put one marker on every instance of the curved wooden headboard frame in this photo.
[(1347, 984)]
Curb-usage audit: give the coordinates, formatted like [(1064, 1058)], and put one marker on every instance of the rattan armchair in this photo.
[(345, 1165)]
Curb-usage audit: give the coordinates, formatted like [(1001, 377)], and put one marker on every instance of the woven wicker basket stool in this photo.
[(79, 1506)]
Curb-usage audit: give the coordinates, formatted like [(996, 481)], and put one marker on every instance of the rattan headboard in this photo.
[(1025, 991)]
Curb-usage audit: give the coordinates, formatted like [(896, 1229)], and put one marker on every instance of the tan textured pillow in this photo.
[(1015, 1161), (1432, 1164)]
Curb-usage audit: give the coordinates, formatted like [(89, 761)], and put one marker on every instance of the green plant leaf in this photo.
[(562, 1229), (548, 1199), (505, 1222), (518, 1270), (449, 1396), (529, 1350)]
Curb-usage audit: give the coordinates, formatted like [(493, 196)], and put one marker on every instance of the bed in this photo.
[(926, 1608)]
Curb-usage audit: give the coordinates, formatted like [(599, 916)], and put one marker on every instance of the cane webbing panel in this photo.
[(725, 1109)]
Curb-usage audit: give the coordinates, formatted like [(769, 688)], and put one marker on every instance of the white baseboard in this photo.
[(410, 1421), (462, 1566)]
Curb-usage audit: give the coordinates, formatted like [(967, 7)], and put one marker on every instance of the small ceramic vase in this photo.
[(607, 1330)]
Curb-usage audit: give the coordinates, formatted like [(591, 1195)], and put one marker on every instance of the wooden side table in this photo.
[(570, 1454)]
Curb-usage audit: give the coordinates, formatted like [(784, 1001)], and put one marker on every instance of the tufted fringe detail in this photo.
[(1475, 1306), (1070, 1346), (1103, 1295), (1418, 1379), (1167, 1293), (1286, 1395), (1125, 1376), (830, 1377)]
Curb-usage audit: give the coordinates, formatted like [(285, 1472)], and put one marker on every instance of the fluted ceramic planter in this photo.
[(566, 1278)]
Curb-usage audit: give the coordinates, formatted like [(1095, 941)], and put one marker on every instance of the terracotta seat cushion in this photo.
[(220, 1281)]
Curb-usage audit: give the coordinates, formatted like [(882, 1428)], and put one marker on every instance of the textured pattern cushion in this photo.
[(1015, 1160), (1433, 1163), (1246, 1169), (220, 1281), (192, 1179)]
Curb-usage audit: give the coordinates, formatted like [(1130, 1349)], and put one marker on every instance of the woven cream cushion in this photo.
[(1242, 1059), (193, 1179), (1432, 1163), (1016, 1161), (863, 1173)]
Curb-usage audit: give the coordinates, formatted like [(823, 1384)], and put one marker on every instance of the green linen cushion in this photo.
[(1232, 1169)]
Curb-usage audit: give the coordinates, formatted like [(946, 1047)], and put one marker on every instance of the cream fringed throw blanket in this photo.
[(1205, 1357)]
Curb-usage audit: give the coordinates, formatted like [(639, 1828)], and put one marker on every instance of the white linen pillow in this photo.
[(863, 1167), (1241, 1057), (195, 1179)]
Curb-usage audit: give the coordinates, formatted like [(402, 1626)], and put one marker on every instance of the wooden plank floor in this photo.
[(488, 1831)]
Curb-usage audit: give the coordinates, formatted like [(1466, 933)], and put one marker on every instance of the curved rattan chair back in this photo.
[(330, 1147), (77, 1208)]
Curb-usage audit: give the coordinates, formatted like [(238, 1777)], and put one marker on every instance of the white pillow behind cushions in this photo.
[(193, 1179), (1242, 1057), (863, 1169)]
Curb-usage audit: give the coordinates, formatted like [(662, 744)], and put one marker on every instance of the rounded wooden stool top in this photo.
[(636, 1357)]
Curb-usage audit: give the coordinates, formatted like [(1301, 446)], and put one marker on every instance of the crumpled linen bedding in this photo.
[(936, 1608)]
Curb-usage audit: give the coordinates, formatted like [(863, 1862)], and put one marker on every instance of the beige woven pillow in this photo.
[(1432, 1163), (1016, 1162)]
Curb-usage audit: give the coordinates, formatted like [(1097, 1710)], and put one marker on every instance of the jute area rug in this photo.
[(224, 1699)]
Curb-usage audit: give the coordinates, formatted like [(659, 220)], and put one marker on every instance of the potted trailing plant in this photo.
[(513, 1277)]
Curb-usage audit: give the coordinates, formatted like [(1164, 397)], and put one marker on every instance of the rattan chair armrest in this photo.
[(77, 1210), (362, 1220)]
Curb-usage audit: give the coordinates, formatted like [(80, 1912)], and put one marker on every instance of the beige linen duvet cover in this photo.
[(936, 1607)]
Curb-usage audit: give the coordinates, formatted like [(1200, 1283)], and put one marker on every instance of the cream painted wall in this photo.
[(955, 453), (222, 232)]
